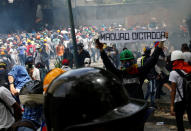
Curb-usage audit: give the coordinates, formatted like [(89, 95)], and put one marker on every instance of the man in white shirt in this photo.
[(177, 105), (36, 74), (7, 119), (31, 69)]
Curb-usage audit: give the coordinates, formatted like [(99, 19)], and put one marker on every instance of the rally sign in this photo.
[(131, 36)]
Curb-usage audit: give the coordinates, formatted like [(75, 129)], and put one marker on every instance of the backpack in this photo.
[(4, 78), (31, 51), (32, 87), (186, 92)]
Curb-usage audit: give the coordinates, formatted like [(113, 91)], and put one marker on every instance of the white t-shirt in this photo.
[(176, 78), (36, 74), (85, 42), (6, 118)]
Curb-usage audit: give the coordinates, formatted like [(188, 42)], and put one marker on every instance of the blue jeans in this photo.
[(47, 63), (93, 54), (22, 59), (151, 91), (98, 54)]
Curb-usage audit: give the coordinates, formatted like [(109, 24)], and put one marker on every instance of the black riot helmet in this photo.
[(88, 99)]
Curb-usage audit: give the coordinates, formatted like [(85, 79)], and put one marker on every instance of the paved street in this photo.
[(161, 120)]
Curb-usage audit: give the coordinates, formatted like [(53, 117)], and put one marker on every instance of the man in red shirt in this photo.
[(30, 49)]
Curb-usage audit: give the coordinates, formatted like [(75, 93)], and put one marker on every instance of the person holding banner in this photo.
[(130, 75)]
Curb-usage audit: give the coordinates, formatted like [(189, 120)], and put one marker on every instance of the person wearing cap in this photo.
[(131, 75), (178, 107), (58, 31), (91, 99), (30, 48), (60, 50), (65, 65), (6, 58)]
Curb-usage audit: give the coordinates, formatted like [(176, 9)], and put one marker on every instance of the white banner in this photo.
[(131, 36)]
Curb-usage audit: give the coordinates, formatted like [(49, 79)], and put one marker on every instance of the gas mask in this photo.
[(127, 64)]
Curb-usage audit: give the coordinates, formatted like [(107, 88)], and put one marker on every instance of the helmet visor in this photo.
[(122, 118)]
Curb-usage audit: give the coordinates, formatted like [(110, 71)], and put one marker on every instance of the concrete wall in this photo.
[(128, 14), (121, 13), (96, 15)]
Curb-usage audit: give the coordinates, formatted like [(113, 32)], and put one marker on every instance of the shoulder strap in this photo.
[(3, 102), (182, 75), (142, 59)]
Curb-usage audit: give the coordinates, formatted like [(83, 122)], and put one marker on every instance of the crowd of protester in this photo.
[(27, 56)]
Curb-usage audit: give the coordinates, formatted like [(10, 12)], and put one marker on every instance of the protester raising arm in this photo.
[(131, 75), (108, 64), (142, 70), (12, 88), (151, 62), (18, 77)]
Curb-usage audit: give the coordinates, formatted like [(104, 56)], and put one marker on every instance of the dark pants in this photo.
[(151, 90), (179, 108), (159, 85)]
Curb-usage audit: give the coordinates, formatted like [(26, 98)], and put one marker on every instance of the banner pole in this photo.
[(73, 34)]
